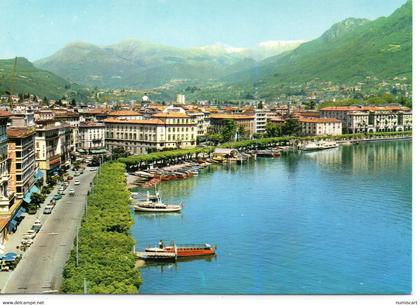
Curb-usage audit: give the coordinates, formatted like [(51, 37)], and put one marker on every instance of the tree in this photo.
[(272, 130), (260, 105), (241, 131), (118, 152), (215, 138), (37, 199), (291, 127), (311, 105), (228, 130), (73, 103)]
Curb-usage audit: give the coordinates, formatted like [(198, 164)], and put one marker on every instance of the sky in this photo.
[(37, 28)]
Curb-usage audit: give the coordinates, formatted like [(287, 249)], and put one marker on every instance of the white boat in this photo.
[(319, 145), (159, 208), (153, 203)]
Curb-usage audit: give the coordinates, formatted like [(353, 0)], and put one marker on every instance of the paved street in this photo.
[(42, 264)]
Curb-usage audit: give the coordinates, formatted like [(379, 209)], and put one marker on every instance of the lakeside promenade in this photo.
[(41, 267)]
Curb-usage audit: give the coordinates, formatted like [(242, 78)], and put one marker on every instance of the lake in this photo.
[(329, 222)]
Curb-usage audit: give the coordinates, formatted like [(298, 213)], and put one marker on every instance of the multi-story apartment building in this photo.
[(73, 119), (65, 142), (199, 118), (260, 120), (6, 201), (91, 135), (21, 154), (47, 146), (217, 121), (320, 126), (362, 119), (8, 208)]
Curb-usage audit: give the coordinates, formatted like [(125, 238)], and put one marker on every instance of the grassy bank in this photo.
[(105, 260), (246, 144)]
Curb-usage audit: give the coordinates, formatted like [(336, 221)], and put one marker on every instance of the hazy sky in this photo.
[(38, 28)]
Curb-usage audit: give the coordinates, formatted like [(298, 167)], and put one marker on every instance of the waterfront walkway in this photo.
[(41, 267)]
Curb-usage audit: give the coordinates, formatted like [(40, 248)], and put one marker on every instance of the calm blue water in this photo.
[(330, 222)]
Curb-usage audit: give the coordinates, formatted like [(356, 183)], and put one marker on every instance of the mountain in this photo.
[(139, 64), (348, 52), (30, 79)]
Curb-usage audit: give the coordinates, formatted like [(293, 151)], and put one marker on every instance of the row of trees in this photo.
[(165, 156), (104, 260)]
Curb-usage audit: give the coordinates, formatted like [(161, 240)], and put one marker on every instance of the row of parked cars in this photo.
[(61, 191)]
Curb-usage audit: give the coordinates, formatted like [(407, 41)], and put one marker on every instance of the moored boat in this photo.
[(153, 204), (319, 146), (158, 208), (184, 250)]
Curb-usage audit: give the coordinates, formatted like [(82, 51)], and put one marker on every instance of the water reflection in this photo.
[(363, 158)]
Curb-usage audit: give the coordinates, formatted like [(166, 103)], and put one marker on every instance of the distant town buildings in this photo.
[(362, 119)]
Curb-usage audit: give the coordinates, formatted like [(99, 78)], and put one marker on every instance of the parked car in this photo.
[(76, 182), (76, 174), (48, 209), (92, 169), (71, 192), (57, 197), (37, 225)]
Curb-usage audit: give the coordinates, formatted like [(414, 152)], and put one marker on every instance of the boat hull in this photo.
[(157, 210)]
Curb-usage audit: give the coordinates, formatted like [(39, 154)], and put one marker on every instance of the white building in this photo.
[(320, 126), (91, 135), (260, 120), (172, 128), (180, 99), (362, 119)]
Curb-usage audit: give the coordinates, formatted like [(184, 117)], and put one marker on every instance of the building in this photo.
[(200, 119), (135, 136), (180, 99), (8, 208), (47, 147), (312, 126), (73, 119), (363, 119), (217, 121), (125, 115), (91, 136), (180, 129), (171, 128), (260, 120), (6, 197), (21, 154)]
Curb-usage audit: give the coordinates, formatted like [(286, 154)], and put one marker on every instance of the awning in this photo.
[(98, 151), (27, 197), (34, 189), (11, 226), (54, 170), (38, 174), (19, 212)]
